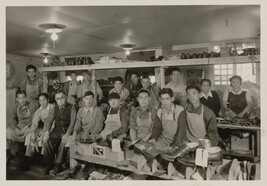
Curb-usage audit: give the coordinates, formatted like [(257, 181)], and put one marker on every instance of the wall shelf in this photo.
[(164, 63)]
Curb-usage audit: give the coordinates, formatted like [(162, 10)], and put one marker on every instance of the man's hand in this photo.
[(18, 132), (233, 114), (240, 115), (65, 137)]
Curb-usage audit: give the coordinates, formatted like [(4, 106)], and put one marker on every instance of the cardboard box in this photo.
[(84, 149)]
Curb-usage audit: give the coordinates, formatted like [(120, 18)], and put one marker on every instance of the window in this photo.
[(152, 79), (79, 78), (222, 73)]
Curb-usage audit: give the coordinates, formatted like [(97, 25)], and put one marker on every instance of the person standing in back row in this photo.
[(32, 85), (178, 87), (71, 88)]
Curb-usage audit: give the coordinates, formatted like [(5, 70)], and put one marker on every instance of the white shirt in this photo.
[(204, 95)]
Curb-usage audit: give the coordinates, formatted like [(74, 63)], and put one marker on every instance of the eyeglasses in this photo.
[(60, 98)]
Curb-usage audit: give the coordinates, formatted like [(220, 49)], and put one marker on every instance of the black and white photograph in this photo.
[(133, 92)]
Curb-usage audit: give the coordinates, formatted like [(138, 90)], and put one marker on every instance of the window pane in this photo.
[(217, 82), (224, 82), (224, 72), (216, 66), (230, 72), (217, 72), (230, 66), (79, 78), (223, 66), (245, 71), (224, 78), (217, 78)]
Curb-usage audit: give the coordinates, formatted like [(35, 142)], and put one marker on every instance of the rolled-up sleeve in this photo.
[(124, 115), (99, 120), (72, 120)]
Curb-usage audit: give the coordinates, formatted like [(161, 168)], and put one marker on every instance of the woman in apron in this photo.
[(32, 85), (141, 122), (19, 127), (239, 100), (117, 121)]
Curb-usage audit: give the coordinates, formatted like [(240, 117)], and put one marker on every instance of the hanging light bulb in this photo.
[(127, 52), (54, 36), (45, 60)]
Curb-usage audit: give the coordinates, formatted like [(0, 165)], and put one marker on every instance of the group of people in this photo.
[(156, 117)]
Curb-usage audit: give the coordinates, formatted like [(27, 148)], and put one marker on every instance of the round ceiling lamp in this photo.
[(127, 48), (53, 29)]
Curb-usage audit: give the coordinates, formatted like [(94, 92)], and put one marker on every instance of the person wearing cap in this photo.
[(32, 85), (153, 90), (142, 117), (238, 99), (89, 120), (123, 92), (209, 97), (117, 120), (71, 88), (88, 85), (177, 86), (63, 120), (20, 122)]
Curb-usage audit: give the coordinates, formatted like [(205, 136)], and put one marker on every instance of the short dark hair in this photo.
[(43, 94), (30, 66), (193, 87), (143, 91), (113, 95), (89, 93), (118, 78), (145, 77), (21, 92), (207, 80), (60, 91), (175, 69), (166, 91)]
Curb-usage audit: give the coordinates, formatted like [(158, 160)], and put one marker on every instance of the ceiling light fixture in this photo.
[(127, 48), (53, 29)]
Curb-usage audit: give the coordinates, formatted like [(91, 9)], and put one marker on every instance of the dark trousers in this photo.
[(55, 152)]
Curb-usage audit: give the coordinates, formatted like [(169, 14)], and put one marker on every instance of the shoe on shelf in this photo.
[(57, 169)]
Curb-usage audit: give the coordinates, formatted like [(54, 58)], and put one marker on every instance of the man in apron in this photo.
[(153, 90), (21, 120), (142, 117), (34, 139), (177, 86), (64, 116), (201, 121), (90, 119), (88, 85), (71, 88), (119, 89), (117, 121), (32, 85)]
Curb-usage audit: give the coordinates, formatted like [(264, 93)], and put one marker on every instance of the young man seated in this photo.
[(34, 139), (142, 117), (117, 121), (201, 121), (89, 121), (119, 89), (20, 122), (64, 119)]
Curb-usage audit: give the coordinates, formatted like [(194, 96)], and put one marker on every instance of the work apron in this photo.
[(169, 129), (195, 126), (32, 91), (143, 126), (23, 116), (112, 123), (72, 91)]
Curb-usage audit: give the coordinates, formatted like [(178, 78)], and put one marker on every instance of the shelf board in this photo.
[(164, 63)]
